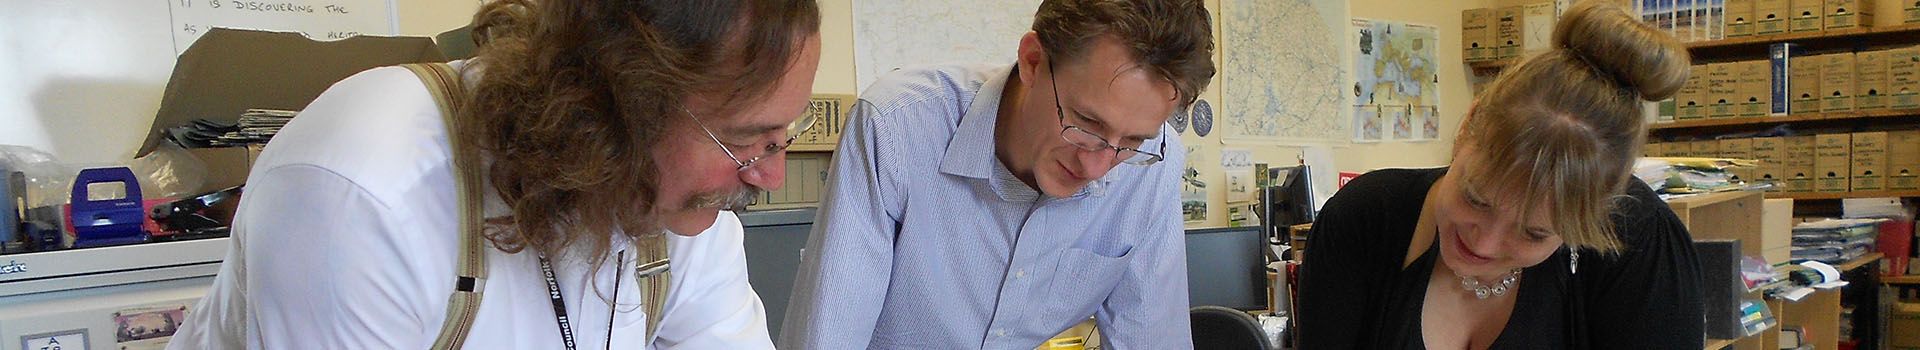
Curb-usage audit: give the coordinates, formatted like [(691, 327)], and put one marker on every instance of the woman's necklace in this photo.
[(1484, 291)]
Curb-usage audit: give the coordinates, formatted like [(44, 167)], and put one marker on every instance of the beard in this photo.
[(730, 201)]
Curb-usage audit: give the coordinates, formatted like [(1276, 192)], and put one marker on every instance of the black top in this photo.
[(1353, 293)]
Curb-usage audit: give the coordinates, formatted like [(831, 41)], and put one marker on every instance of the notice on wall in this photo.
[(1238, 166)]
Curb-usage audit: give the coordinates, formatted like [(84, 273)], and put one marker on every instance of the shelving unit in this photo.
[(1763, 122)]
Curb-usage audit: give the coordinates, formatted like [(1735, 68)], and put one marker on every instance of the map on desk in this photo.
[(1283, 70)]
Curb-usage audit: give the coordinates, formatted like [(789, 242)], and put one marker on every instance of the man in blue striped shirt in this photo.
[(992, 207)]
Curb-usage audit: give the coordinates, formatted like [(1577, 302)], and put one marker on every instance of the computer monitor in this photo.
[(1290, 201), (1227, 267)]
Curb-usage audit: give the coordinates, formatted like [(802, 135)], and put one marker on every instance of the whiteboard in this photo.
[(318, 20)]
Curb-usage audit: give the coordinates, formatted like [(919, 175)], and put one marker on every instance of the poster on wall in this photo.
[(147, 327), (1368, 126), (1394, 68), (1193, 191), (1282, 72), (1237, 164)]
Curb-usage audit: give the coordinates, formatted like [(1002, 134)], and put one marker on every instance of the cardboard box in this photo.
[(1507, 25), (1870, 80), (1722, 90), (1844, 14), (1903, 160), (1771, 154), (1869, 159), (1740, 148), (1475, 38), (1770, 16), (1653, 149), (1691, 102), (1805, 87), (1837, 82), (1536, 26), (1912, 10), (1832, 163), (1800, 164), (1903, 78), (1705, 149), (1739, 18), (229, 71), (1903, 325), (1806, 15), (1753, 87)]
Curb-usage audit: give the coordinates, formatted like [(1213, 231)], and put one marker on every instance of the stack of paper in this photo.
[(1834, 241)]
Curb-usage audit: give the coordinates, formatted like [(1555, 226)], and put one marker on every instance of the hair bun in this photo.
[(1641, 58)]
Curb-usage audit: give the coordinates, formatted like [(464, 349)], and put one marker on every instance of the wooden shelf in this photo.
[(1717, 344), (1756, 46), (1842, 195), (1856, 263), (1901, 280), (1763, 121)]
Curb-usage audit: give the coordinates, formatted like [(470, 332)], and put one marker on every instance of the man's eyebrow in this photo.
[(1103, 123)]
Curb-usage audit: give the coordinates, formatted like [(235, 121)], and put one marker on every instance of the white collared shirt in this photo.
[(346, 238)]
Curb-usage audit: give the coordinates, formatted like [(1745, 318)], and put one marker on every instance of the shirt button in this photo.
[(1022, 273), (1000, 333)]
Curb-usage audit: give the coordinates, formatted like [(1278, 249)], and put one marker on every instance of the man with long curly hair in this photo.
[(994, 206), (600, 126)]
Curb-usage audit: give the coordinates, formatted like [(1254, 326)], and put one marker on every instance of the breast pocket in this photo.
[(1085, 277)]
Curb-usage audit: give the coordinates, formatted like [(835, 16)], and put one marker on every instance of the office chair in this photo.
[(1222, 328)]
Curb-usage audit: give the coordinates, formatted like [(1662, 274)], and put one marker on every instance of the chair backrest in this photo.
[(1216, 327)]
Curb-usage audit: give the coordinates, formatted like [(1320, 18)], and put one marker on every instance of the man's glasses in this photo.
[(1087, 140), (794, 130)]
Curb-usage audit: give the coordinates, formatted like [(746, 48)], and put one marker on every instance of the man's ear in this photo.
[(1030, 57)]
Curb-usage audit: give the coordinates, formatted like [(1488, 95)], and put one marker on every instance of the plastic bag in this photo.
[(169, 172)]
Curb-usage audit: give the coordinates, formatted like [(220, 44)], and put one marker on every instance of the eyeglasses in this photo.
[(794, 129), (1088, 141)]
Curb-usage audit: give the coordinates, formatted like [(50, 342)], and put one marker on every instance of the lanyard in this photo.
[(560, 303)]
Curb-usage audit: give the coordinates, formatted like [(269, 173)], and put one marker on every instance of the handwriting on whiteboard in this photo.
[(318, 20)]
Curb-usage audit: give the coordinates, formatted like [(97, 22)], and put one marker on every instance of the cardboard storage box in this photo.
[(1806, 15), (1805, 89), (1770, 153), (1903, 325), (1912, 10), (1800, 164), (1708, 148), (1869, 159), (1770, 16), (1837, 82), (1832, 162), (1653, 149), (1754, 83), (1507, 23), (1903, 78), (1739, 18), (1474, 34), (1870, 80), (1536, 26), (1843, 14), (1776, 229), (1903, 160), (1691, 101), (1722, 90), (1740, 148), (229, 71)]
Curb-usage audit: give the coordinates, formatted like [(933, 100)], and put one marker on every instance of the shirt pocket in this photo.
[(1084, 278)]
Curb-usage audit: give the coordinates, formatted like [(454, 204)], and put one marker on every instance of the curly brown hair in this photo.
[(571, 95)]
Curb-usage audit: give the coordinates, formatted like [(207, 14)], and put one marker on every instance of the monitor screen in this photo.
[(1227, 267)]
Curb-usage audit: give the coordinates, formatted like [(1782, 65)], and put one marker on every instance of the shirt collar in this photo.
[(971, 152)]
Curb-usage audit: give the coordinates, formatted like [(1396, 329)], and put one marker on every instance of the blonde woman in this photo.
[(1535, 236)]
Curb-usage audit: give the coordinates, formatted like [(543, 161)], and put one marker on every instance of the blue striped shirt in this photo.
[(925, 241)]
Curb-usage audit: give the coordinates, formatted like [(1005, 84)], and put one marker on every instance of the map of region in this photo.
[(1394, 63), (1283, 70), (890, 34)]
